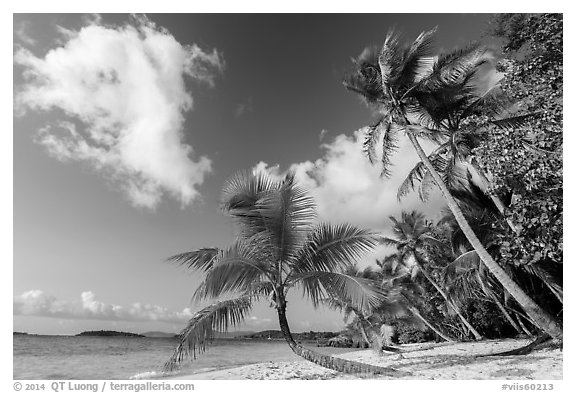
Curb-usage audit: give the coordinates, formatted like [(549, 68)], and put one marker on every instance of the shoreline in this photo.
[(425, 361)]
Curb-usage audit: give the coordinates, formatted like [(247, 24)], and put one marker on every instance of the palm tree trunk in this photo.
[(497, 201), (547, 279), (330, 362), (456, 309), (500, 306), (417, 314), (558, 293), (362, 321), (502, 209), (544, 321), (524, 328)]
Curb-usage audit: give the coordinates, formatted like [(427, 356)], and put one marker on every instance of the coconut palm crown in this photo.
[(279, 246)]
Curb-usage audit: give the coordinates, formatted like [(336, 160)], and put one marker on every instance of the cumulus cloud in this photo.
[(37, 303), (122, 91), (348, 188)]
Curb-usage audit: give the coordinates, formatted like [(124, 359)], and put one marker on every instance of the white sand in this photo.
[(448, 361)]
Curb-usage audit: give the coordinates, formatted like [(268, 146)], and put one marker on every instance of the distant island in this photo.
[(108, 333), (19, 334)]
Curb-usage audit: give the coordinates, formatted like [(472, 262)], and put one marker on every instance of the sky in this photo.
[(126, 127)]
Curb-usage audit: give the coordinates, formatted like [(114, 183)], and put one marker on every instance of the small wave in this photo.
[(150, 375)]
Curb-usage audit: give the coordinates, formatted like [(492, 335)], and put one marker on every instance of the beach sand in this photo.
[(427, 361)]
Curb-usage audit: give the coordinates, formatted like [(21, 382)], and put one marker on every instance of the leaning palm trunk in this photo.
[(417, 314), (524, 328), (330, 362), (495, 199), (542, 319), (454, 307), (367, 331), (500, 306)]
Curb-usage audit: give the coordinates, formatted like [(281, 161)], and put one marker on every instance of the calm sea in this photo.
[(69, 357)]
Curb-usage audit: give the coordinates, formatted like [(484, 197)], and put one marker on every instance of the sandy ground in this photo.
[(444, 361)]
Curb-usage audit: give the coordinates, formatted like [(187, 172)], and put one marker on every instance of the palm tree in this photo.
[(368, 324), (278, 247), (409, 293), (455, 114), (466, 274), (412, 237), (466, 278), (397, 79)]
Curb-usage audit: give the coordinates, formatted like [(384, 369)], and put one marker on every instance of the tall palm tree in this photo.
[(278, 247), (454, 114), (411, 238), (397, 80)]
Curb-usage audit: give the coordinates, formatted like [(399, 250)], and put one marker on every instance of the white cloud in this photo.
[(21, 33), (348, 188), (37, 303), (125, 86)]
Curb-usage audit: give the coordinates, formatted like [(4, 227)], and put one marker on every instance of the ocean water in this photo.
[(70, 357)]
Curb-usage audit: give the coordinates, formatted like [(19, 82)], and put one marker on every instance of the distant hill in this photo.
[(19, 334), (108, 333), (277, 335), (237, 334), (157, 334)]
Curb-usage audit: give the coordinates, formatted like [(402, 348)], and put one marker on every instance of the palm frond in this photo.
[(465, 262), (200, 329), (201, 259), (546, 277), (426, 185), (365, 79), (288, 215), (417, 114), (371, 138), (338, 305), (360, 293), (240, 195), (388, 241), (419, 172), (388, 266), (389, 146), (436, 135), (515, 121), (464, 287), (386, 131), (454, 69), (334, 248), (419, 59), (488, 103), (432, 241), (390, 59), (239, 266)]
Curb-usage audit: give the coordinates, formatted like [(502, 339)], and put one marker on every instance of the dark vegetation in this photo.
[(108, 333)]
